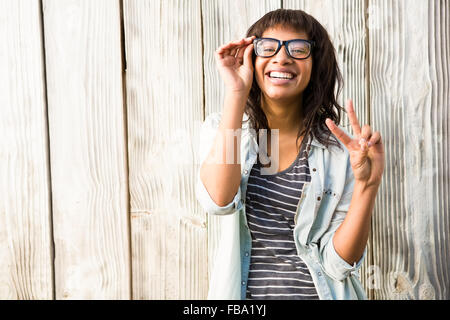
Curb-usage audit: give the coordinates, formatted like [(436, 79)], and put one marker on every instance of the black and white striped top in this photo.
[(276, 271)]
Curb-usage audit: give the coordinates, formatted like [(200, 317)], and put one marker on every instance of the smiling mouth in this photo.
[(281, 75)]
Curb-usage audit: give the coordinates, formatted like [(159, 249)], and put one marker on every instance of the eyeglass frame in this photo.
[(286, 44)]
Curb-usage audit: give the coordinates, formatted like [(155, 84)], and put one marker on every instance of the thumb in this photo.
[(248, 57)]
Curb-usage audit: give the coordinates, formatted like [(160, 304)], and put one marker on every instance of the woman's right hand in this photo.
[(234, 62)]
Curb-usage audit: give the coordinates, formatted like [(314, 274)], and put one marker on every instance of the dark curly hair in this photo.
[(318, 98)]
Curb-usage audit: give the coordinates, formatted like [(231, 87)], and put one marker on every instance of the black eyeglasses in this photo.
[(296, 48)]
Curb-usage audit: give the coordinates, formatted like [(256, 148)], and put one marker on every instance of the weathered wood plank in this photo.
[(88, 149), (409, 68), (165, 103), (25, 210), (224, 21)]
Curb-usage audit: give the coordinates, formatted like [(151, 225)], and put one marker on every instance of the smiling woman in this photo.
[(301, 232), (317, 99)]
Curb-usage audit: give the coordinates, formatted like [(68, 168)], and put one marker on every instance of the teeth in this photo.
[(282, 75)]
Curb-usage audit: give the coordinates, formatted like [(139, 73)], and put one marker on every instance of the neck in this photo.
[(283, 115)]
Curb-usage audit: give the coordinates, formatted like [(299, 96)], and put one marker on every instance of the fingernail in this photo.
[(362, 141)]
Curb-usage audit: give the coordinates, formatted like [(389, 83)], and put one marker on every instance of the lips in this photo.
[(281, 74), (280, 77)]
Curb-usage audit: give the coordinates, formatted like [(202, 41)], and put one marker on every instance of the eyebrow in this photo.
[(284, 40)]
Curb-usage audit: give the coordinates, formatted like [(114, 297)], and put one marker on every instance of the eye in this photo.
[(299, 50), (267, 47)]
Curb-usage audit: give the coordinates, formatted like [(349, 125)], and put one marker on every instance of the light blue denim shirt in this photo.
[(321, 209)]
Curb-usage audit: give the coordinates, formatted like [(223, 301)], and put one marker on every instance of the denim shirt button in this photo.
[(319, 273), (243, 282), (246, 254), (245, 171)]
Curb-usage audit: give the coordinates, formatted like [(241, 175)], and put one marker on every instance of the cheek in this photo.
[(307, 70)]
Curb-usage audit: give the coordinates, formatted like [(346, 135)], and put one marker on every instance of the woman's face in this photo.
[(282, 89)]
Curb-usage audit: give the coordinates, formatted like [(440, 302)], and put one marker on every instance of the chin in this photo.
[(278, 94)]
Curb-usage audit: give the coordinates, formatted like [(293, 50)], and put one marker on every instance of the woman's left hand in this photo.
[(366, 150)]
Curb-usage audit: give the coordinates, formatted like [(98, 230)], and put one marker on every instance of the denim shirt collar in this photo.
[(246, 125)]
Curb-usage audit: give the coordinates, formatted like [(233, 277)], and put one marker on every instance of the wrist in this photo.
[(235, 100), (237, 94), (367, 185)]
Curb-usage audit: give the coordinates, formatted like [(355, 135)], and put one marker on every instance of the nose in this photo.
[(282, 57)]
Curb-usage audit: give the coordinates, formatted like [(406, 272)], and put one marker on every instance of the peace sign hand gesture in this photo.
[(366, 150)]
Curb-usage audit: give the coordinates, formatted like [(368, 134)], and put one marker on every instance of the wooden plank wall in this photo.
[(88, 156), (101, 104), (26, 261), (165, 102), (410, 98)]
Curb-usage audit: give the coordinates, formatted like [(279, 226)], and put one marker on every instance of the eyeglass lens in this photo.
[(297, 49)]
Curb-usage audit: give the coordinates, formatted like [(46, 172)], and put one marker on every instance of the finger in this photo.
[(366, 133), (239, 55), (236, 49), (241, 52), (243, 43), (222, 52), (341, 135), (353, 119), (376, 138), (248, 56), (235, 44), (233, 51), (231, 48), (218, 56), (227, 47), (250, 39)]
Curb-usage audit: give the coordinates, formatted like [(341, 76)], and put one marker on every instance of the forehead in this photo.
[(282, 33)]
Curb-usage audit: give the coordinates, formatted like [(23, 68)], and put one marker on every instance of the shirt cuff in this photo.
[(336, 266), (210, 206)]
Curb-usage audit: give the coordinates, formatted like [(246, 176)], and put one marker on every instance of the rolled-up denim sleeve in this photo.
[(207, 136), (334, 265)]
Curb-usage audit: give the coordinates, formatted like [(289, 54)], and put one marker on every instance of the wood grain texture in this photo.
[(408, 249), (88, 149), (25, 210), (66, 230), (165, 103), (409, 67), (223, 22)]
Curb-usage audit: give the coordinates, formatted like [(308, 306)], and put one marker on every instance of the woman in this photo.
[(299, 232)]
